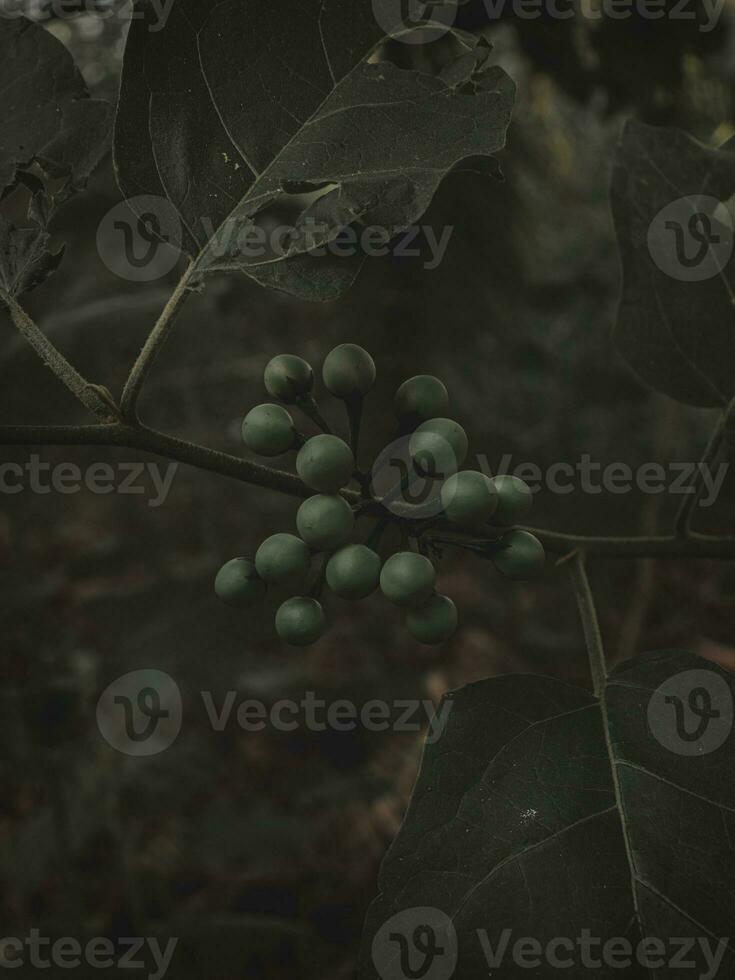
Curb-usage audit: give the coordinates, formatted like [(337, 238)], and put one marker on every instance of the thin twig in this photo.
[(353, 407), (149, 440), (642, 587), (556, 542), (683, 523), (153, 345), (169, 447), (88, 394), (590, 624)]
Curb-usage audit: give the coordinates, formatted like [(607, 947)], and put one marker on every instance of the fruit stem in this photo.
[(405, 543), (590, 623), (354, 407), (364, 480), (373, 539), (398, 489), (317, 586), (310, 408)]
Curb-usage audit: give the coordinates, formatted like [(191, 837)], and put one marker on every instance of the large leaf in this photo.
[(48, 120), (674, 328), (47, 114), (538, 816), (25, 259), (235, 111)]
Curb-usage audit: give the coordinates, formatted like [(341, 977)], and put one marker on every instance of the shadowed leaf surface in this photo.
[(676, 334), (248, 116), (48, 116), (517, 827), (25, 259)]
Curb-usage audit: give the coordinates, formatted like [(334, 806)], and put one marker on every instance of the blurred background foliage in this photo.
[(260, 851)]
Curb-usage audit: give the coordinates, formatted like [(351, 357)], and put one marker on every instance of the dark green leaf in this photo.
[(674, 328), (518, 823), (48, 116), (241, 113), (25, 259)]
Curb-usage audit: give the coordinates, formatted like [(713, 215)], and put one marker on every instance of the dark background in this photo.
[(260, 851)]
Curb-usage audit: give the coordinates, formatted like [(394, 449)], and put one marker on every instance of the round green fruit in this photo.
[(268, 430), (325, 522), (521, 555), (438, 447), (407, 578), (469, 498), (288, 378), (300, 621), (353, 572), (325, 463), (514, 500), (434, 621), (238, 584), (349, 371), (283, 559), (420, 399)]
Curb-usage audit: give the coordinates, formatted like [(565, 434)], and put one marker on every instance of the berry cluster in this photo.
[(468, 501)]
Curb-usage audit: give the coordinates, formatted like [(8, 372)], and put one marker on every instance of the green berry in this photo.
[(283, 559), (238, 584), (434, 621), (469, 498), (353, 572), (288, 378), (438, 447), (268, 430), (514, 500), (349, 371), (407, 579), (325, 522), (325, 463), (420, 399), (521, 555), (300, 621)]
